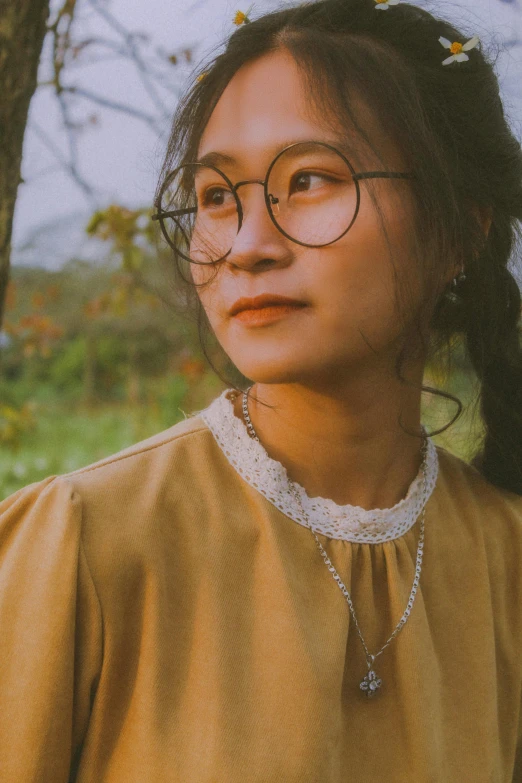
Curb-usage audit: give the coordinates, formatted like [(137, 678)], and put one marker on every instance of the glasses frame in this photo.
[(269, 198)]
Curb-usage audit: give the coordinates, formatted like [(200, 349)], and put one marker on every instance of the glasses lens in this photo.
[(312, 193), (203, 220)]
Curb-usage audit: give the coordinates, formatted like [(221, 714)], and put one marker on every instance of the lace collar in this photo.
[(270, 478)]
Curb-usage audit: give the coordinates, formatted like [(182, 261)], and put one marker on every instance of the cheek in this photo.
[(362, 276), (198, 273), (209, 295)]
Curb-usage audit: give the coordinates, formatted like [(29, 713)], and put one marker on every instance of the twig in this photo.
[(87, 189), (135, 55), (69, 130), (44, 172), (149, 119)]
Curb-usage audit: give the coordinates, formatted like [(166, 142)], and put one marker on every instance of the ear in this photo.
[(485, 217)]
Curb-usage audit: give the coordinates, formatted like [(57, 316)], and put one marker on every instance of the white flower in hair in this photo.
[(382, 5), (457, 49)]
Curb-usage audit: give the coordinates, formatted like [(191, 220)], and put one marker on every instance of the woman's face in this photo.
[(350, 320)]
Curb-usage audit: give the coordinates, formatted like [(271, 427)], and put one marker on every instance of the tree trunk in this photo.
[(23, 26)]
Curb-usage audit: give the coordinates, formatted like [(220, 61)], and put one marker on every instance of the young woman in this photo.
[(295, 584)]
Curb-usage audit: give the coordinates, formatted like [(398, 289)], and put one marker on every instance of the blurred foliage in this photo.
[(91, 342), (15, 422), (129, 231)]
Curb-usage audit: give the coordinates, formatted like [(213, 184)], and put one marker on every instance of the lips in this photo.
[(264, 300)]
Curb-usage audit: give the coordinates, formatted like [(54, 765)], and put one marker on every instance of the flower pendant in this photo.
[(371, 684)]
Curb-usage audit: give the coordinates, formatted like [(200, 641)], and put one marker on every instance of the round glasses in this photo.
[(311, 190)]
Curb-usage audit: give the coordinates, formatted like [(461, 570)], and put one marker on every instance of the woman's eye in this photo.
[(215, 197), (304, 180)]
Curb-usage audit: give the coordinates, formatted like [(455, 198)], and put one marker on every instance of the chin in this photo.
[(281, 369), (269, 370), (269, 375)]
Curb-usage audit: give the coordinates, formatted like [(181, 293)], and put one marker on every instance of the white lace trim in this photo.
[(270, 478)]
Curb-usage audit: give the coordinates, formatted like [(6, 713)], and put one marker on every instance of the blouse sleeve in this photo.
[(50, 634)]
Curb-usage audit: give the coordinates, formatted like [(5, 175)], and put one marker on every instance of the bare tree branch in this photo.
[(154, 73), (149, 119), (64, 162), (65, 52), (135, 56), (50, 169), (71, 136)]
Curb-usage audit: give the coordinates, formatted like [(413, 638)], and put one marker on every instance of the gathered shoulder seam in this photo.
[(134, 451)]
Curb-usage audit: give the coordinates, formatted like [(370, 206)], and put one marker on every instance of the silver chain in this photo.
[(371, 683)]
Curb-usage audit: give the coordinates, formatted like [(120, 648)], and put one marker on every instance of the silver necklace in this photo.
[(371, 683)]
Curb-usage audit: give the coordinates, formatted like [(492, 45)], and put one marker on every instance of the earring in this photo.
[(452, 295)]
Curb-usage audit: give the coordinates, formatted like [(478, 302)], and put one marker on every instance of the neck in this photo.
[(344, 444)]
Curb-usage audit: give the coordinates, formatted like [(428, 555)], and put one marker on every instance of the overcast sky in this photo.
[(120, 155)]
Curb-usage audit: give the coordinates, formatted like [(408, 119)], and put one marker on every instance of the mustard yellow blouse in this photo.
[(161, 621)]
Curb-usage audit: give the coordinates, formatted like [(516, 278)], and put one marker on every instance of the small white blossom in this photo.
[(457, 49), (382, 5), (19, 470)]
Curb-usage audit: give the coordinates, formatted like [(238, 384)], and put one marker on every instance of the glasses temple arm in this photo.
[(174, 213)]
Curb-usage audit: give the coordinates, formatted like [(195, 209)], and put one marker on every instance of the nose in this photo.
[(258, 240)]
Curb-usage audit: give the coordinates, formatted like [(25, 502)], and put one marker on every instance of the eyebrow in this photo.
[(222, 159)]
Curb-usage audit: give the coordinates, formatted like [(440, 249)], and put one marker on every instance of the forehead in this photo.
[(262, 103), (266, 106)]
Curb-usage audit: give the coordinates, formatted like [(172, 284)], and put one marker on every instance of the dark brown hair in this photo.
[(449, 123)]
